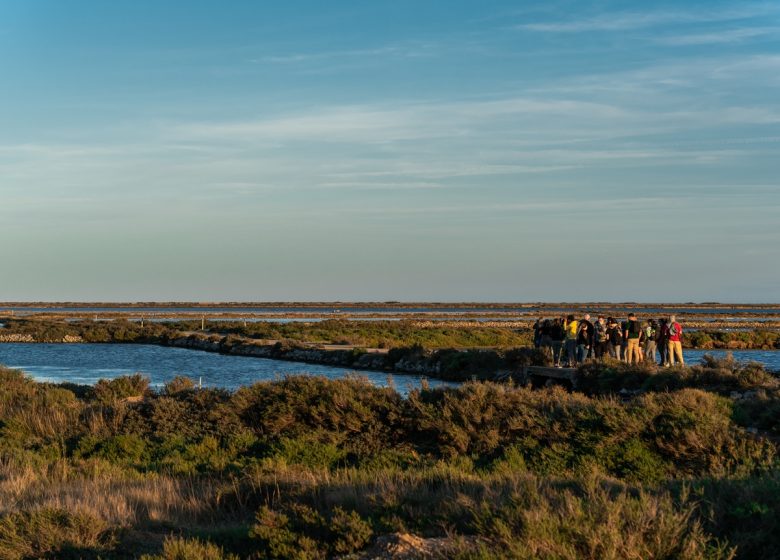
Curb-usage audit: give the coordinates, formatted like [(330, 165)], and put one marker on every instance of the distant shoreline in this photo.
[(388, 305)]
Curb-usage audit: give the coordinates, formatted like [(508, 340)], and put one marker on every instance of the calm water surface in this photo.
[(87, 363), (381, 310)]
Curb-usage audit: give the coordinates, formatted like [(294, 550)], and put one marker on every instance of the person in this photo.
[(615, 338), (624, 345), (538, 333), (557, 334), (631, 335), (571, 325), (663, 343), (675, 342), (583, 342), (588, 326), (650, 337), (600, 338), (545, 337)]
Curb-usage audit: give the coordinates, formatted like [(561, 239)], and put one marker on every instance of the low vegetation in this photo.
[(680, 464), (362, 334), (117, 330)]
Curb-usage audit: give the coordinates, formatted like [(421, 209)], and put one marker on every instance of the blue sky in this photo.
[(485, 151)]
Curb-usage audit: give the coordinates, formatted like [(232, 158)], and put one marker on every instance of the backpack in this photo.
[(634, 328)]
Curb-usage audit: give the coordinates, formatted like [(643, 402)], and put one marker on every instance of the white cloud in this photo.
[(716, 37), (638, 20), (405, 50)]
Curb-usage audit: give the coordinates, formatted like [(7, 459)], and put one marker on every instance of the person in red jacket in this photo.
[(674, 341)]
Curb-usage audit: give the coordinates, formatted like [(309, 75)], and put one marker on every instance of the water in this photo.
[(336, 309), (87, 363), (770, 358)]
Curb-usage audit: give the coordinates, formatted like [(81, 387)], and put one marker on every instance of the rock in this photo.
[(17, 338), (403, 546)]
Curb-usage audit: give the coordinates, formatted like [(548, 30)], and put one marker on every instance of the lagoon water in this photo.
[(337, 310), (770, 358), (87, 363)]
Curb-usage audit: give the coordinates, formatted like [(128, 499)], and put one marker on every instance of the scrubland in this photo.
[(677, 464), (366, 334)]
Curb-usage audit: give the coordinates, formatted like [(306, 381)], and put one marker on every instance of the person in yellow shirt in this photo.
[(570, 326)]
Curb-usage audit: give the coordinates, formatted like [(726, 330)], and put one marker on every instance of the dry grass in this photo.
[(108, 493)]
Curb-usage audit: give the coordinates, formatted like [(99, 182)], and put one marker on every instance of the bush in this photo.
[(53, 533), (761, 412), (461, 364), (127, 386), (720, 375), (590, 521), (178, 384), (309, 453), (349, 413), (178, 548), (127, 449), (304, 533)]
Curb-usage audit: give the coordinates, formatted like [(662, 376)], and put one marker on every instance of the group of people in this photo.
[(571, 341)]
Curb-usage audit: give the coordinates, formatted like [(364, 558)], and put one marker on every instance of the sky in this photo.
[(437, 150)]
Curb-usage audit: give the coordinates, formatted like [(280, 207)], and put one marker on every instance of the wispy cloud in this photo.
[(413, 121), (405, 50), (381, 185), (716, 37), (638, 20)]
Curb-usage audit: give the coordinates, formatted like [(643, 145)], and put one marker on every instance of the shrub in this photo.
[(110, 391), (522, 357), (406, 353), (309, 453), (128, 449), (721, 375), (302, 532), (178, 384), (179, 548), (745, 513), (590, 521), (349, 413), (762, 411), (461, 364), (50, 532)]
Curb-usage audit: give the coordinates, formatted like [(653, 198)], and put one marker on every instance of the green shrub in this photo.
[(309, 453), (349, 413), (51, 533), (110, 391), (461, 364), (761, 412), (721, 375), (278, 541), (301, 532), (178, 384), (590, 521), (127, 449), (178, 548)]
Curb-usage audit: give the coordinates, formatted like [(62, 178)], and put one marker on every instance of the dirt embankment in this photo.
[(332, 355)]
